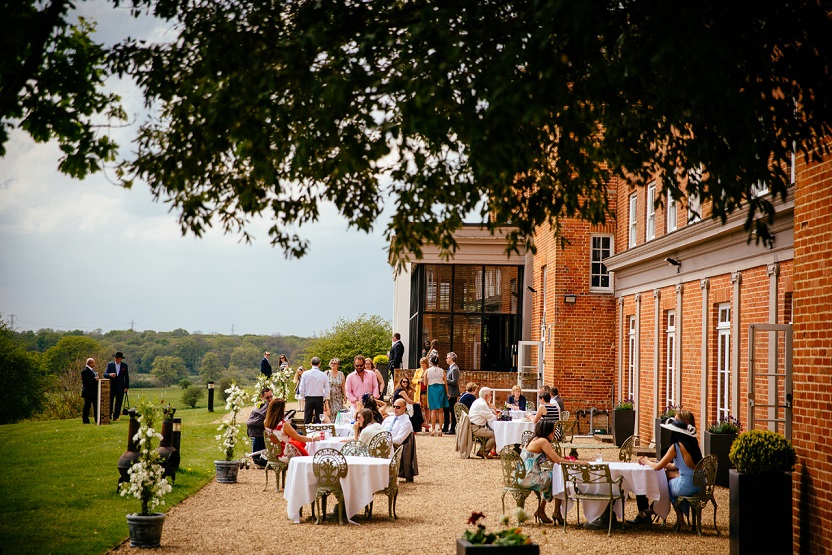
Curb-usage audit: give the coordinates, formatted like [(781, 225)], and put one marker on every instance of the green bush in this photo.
[(192, 395), (762, 452), (142, 381), (22, 383), (224, 383), (185, 383)]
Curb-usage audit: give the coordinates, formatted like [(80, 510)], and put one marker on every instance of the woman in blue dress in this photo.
[(679, 461), (539, 478)]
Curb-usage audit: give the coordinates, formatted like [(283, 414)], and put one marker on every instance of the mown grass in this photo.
[(58, 478)]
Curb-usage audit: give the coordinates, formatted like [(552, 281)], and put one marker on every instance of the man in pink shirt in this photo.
[(360, 382)]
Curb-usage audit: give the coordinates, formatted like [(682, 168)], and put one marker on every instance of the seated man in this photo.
[(482, 412), (255, 427), (401, 429)]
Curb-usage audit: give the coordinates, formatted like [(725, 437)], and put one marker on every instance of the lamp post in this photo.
[(211, 396)]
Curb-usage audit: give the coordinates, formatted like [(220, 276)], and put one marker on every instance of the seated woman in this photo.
[(547, 410), (405, 391), (281, 428), (680, 459), (470, 394), (516, 400), (538, 451), (365, 426), (375, 406)]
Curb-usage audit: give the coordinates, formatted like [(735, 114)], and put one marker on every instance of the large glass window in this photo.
[(651, 212), (472, 310), (599, 275), (723, 363), (633, 221), (670, 368), (631, 358), (671, 212)]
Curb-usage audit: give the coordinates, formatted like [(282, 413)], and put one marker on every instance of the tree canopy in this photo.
[(522, 111), (366, 335)]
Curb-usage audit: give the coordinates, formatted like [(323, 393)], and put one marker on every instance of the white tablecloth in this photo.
[(638, 479), (332, 443), (508, 433), (366, 475), (344, 430)]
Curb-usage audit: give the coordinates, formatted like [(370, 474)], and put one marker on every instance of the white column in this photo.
[(657, 335), (773, 272), (704, 285), (680, 322)]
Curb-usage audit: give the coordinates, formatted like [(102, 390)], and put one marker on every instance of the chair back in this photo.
[(626, 452), (525, 438), (704, 475), (578, 476), (530, 405), (381, 445), (329, 467), (564, 415), (556, 446), (321, 428), (395, 463), (274, 449), (355, 448), (459, 410), (513, 468)]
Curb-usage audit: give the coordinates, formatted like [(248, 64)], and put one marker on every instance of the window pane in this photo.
[(498, 338), (501, 289), (467, 341), (468, 288), (438, 287), (437, 326)]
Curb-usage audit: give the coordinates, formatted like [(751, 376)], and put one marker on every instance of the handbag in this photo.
[(126, 404), (409, 410)]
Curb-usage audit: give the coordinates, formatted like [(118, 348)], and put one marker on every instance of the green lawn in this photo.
[(58, 478)]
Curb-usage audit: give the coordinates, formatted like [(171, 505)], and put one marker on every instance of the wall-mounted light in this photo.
[(532, 289), (674, 262), (570, 299)]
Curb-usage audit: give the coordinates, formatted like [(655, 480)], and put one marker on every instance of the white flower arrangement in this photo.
[(281, 377), (147, 482), (262, 381), (229, 428)]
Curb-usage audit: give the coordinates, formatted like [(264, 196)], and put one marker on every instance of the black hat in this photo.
[(118, 354)]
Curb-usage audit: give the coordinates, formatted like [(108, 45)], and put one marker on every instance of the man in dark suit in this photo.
[(396, 355), (119, 383), (89, 391), (265, 365)]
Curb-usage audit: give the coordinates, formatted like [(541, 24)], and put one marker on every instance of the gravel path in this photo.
[(241, 518)]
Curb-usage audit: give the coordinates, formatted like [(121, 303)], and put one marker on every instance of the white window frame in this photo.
[(671, 213), (650, 228), (544, 273), (723, 361), (759, 189), (611, 250), (631, 358), (633, 220), (670, 367)]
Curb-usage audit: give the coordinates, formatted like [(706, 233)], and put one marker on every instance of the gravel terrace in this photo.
[(433, 511)]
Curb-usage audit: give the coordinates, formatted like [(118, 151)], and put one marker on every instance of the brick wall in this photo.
[(812, 363)]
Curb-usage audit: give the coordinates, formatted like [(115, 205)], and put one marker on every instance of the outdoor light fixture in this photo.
[(532, 289), (674, 262), (570, 299)]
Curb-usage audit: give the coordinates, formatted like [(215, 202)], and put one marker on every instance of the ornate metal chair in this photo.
[(513, 472), (568, 428), (704, 476), (564, 415), (381, 445), (355, 448), (392, 489), (321, 428), (329, 467), (591, 482), (459, 410), (625, 454), (274, 451), (530, 405), (525, 438)]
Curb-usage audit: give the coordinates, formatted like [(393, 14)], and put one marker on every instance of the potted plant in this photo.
[(662, 435), (761, 493), (146, 481), (229, 430), (623, 421), (510, 540), (719, 437)]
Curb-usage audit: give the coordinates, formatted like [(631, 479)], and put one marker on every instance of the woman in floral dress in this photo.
[(337, 390)]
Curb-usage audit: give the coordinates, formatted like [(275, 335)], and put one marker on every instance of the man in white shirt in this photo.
[(399, 424), (481, 413), (314, 387)]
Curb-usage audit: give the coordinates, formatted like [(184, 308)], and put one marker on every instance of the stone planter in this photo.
[(464, 547), (227, 471), (145, 530), (760, 513), (662, 436), (623, 425), (720, 445)]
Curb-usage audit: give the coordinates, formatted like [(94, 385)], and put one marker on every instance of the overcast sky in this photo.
[(89, 254)]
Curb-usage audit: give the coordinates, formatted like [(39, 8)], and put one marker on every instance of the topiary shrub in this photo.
[(381, 360), (192, 395), (762, 452)]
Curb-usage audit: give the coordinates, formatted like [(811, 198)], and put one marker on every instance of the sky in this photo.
[(89, 254)]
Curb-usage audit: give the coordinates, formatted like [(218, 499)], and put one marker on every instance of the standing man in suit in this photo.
[(453, 393), (265, 365), (396, 356), (89, 391), (119, 383)]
